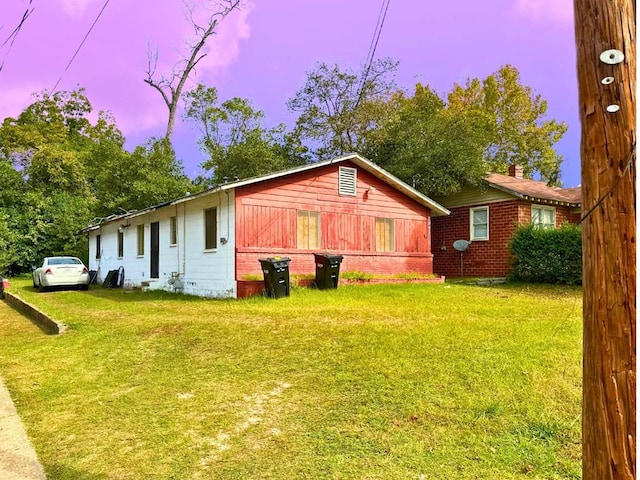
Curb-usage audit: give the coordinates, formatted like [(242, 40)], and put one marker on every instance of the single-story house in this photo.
[(488, 216), (209, 243)]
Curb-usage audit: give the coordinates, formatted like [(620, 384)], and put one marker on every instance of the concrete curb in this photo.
[(18, 459), (41, 319)]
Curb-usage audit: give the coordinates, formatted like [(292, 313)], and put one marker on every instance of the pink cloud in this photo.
[(553, 10)]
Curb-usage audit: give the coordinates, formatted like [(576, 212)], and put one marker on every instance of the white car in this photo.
[(61, 272)]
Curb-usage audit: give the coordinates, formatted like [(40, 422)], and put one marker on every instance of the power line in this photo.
[(81, 44), (627, 166), (372, 49), (14, 34)]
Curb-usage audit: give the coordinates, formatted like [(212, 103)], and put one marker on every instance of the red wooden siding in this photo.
[(266, 223), (484, 258)]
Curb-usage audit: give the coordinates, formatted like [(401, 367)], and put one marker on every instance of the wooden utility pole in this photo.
[(605, 40)]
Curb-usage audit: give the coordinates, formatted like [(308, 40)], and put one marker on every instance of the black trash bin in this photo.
[(327, 270), (276, 276)]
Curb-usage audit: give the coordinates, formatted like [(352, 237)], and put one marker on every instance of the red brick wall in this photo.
[(483, 258)]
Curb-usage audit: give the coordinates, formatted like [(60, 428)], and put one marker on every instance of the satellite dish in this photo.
[(461, 245)]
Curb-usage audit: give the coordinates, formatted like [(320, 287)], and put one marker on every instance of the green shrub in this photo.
[(547, 255)]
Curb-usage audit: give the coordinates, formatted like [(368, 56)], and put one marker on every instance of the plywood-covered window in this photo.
[(173, 230), (210, 229), (479, 223), (140, 240), (543, 217), (120, 244), (347, 178), (308, 229), (384, 235)]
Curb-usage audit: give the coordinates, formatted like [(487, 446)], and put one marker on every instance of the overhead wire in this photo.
[(372, 49), (81, 44), (628, 166), (14, 34)]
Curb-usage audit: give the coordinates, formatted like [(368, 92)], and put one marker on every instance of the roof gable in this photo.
[(353, 158)]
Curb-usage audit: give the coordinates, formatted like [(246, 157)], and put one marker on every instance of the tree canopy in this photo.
[(510, 117), (335, 106), (237, 143), (59, 169)]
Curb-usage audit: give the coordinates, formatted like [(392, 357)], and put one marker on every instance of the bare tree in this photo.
[(170, 86)]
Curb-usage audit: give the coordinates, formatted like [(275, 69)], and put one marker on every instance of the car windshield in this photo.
[(64, 261)]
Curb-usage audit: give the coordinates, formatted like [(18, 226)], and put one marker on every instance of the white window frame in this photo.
[(472, 227), (120, 239), (173, 231), (140, 239), (543, 208), (347, 181), (212, 234)]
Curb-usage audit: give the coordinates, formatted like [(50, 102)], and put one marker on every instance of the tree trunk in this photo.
[(609, 234)]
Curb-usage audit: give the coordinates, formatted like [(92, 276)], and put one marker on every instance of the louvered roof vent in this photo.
[(347, 181)]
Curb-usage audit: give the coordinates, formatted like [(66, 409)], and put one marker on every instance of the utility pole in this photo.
[(606, 54)]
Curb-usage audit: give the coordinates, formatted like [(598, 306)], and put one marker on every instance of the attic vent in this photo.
[(347, 181)]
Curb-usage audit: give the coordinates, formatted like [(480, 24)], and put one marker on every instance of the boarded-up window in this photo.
[(308, 229), (120, 244), (173, 231), (210, 229), (384, 235), (479, 218), (347, 181), (140, 240), (543, 217), (98, 246)]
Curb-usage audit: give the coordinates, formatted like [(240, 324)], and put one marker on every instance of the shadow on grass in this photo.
[(64, 472)]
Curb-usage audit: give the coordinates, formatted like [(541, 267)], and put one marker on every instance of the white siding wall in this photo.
[(198, 272)]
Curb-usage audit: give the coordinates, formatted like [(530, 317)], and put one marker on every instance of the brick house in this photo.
[(488, 216), (209, 244)]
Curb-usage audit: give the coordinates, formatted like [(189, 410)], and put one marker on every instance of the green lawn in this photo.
[(433, 381)]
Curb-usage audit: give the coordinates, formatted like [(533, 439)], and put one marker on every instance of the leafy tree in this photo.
[(333, 115), (233, 136), (426, 146), (58, 170), (159, 175), (510, 117), (43, 226), (9, 254)]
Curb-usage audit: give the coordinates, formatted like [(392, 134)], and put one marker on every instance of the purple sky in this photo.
[(264, 51)]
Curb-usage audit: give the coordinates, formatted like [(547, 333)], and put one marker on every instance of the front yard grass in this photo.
[(412, 381)]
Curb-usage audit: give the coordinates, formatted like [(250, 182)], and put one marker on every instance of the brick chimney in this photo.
[(516, 171)]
